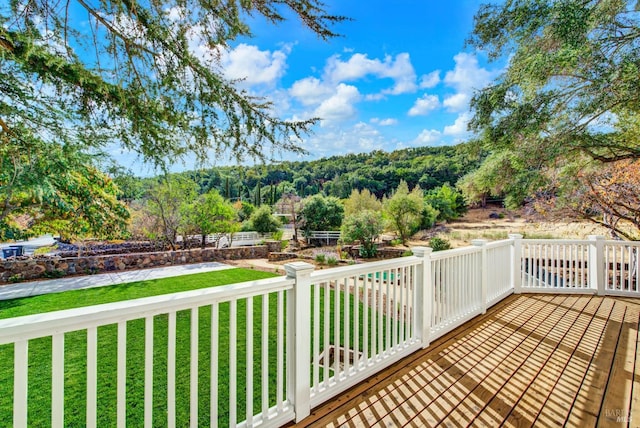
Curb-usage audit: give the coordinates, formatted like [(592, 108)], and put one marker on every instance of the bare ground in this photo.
[(478, 224)]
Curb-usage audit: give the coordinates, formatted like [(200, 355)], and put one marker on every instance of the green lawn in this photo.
[(75, 354), (133, 290)]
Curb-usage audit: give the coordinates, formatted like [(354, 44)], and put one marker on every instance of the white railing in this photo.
[(237, 238), (555, 265), (266, 352), (169, 332), (622, 268), (457, 288), (499, 269), (362, 319), (324, 235)]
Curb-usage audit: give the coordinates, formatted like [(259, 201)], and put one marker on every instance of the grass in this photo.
[(76, 345), (133, 290)]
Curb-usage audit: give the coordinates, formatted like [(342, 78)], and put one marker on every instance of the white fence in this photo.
[(327, 236), (237, 239), (264, 353)]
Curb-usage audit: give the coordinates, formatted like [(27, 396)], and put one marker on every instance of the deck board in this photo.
[(531, 360)]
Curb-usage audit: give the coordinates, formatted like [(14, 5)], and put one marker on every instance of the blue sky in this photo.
[(399, 77)]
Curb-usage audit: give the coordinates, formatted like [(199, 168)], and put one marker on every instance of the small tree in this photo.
[(448, 201), (429, 216), (244, 210), (166, 201), (263, 221), (364, 227), (321, 213), (360, 201), (404, 210), (210, 214)]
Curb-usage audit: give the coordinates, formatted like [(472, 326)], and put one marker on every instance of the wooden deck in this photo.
[(532, 360)]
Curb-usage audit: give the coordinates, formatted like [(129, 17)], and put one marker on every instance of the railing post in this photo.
[(596, 264), (516, 262), (299, 338), (482, 243), (424, 295)]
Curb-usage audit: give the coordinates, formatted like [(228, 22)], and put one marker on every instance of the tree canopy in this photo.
[(80, 78), (125, 71), (571, 84), (567, 102)]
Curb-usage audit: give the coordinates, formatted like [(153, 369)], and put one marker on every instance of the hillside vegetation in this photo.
[(379, 172)]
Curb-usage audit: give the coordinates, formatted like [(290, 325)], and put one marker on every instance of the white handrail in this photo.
[(333, 327)]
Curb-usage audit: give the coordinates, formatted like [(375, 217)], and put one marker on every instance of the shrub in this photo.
[(364, 227), (439, 244), (56, 273), (16, 278), (262, 221), (320, 258), (332, 261)]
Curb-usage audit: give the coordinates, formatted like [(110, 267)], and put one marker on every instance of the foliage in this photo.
[(56, 273), (364, 227), (571, 84), (447, 201), (52, 187), (209, 214), (439, 244), (127, 71), (167, 202), (607, 195), (570, 96), (488, 180), (263, 221), (360, 201), (404, 210), (321, 213), (377, 172), (429, 216), (244, 210)]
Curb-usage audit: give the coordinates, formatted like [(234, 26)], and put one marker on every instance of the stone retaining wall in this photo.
[(28, 268)]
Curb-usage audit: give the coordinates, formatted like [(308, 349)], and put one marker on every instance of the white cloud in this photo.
[(424, 105), (384, 122), (467, 75), (399, 69), (339, 106), (175, 13), (430, 80), (427, 137), (310, 91), (359, 138), (459, 127), (254, 65), (457, 102)]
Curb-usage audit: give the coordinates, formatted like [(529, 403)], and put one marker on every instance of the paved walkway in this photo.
[(34, 288)]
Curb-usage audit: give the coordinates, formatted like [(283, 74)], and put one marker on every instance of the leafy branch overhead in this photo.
[(571, 85), (123, 71), (568, 102), (81, 78)]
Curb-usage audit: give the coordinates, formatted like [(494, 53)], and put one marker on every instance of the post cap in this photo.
[(421, 251), (295, 268)]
